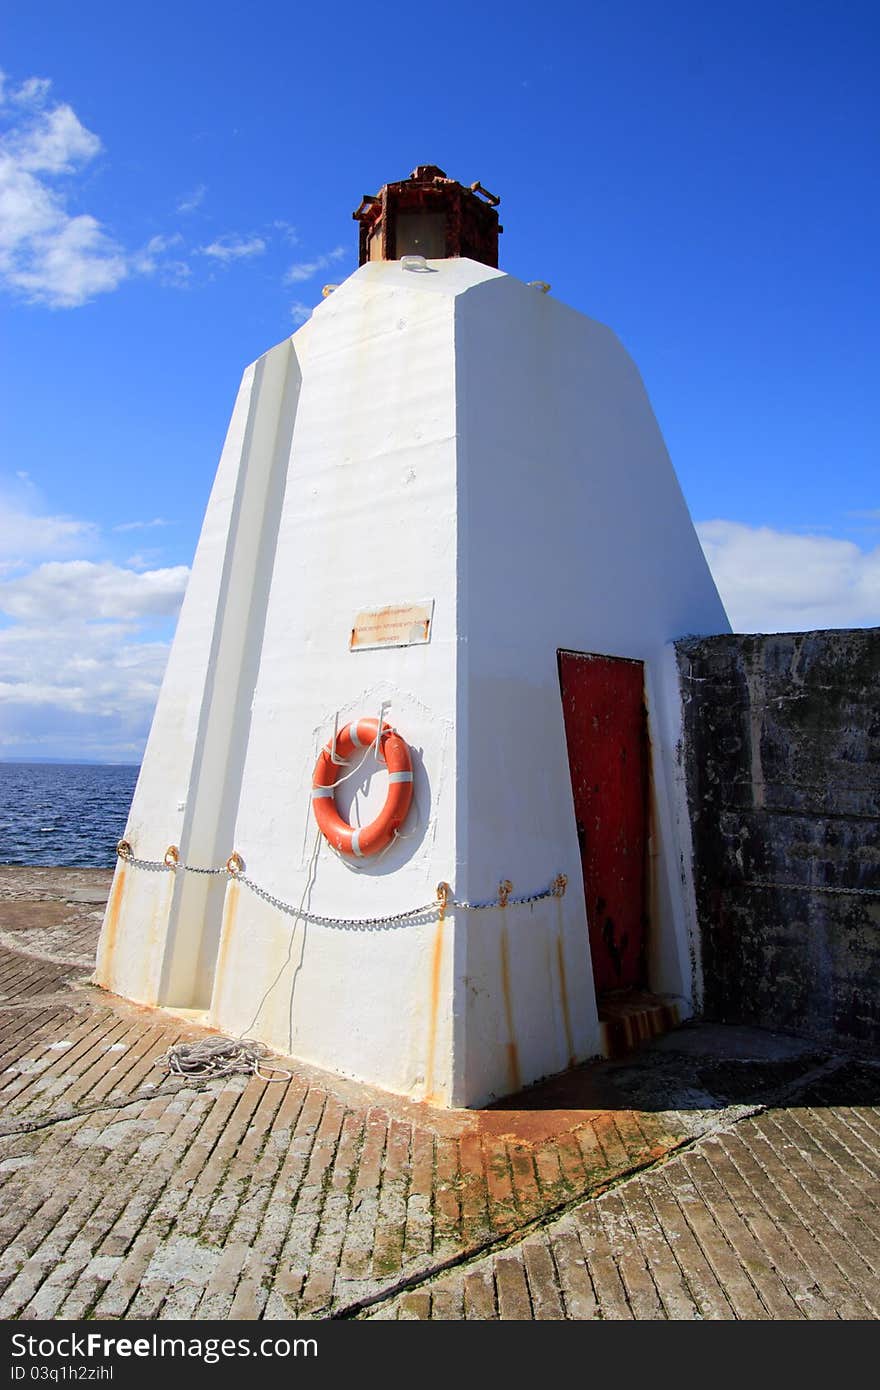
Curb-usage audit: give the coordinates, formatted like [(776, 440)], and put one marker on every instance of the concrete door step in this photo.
[(628, 1020)]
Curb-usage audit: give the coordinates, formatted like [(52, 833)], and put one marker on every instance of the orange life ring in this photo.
[(394, 751)]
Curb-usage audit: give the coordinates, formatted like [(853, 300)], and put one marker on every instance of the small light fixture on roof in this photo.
[(428, 215), (417, 263), (328, 289), (539, 285)]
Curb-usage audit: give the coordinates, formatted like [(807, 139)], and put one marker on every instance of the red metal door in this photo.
[(605, 728)]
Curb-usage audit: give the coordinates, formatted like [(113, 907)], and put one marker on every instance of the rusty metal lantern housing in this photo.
[(429, 215)]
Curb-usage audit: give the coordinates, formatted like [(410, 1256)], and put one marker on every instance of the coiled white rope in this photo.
[(209, 1057)]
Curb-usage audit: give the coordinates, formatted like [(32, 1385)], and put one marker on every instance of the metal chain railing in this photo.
[(444, 901), (172, 860), (808, 888)]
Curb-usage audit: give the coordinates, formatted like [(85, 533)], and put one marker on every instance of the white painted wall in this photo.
[(572, 533), (370, 518), (456, 436), (159, 935)]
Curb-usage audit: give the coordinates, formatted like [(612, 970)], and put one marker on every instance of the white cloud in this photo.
[(304, 270), (190, 201), (143, 560), (33, 92), (778, 581), (147, 259), (67, 265), (68, 589), (47, 254), (152, 260), (81, 663), (26, 536), (300, 311), (92, 670), (287, 230), (83, 643), (142, 525), (52, 142), (54, 257), (234, 248)]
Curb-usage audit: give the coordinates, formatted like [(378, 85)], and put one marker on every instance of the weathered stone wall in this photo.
[(781, 751)]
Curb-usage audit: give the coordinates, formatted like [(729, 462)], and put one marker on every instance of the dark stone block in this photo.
[(781, 753)]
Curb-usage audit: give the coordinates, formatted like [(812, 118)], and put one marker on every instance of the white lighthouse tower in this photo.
[(444, 508)]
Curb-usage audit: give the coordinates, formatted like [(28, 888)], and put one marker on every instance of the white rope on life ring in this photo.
[(371, 839)]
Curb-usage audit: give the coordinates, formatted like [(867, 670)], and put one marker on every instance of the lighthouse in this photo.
[(409, 809)]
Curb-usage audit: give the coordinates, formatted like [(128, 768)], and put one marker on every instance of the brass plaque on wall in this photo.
[(395, 625)]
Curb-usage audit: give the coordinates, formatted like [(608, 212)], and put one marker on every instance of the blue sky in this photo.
[(177, 183)]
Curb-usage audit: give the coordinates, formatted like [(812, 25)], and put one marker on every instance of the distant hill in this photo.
[(69, 762)]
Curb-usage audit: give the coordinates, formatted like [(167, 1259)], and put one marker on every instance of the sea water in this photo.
[(64, 813)]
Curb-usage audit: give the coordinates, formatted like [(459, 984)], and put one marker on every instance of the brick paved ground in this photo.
[(722, 1174), (775, 1217)]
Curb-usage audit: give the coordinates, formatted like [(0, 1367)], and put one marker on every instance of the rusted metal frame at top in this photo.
[(472, 226)]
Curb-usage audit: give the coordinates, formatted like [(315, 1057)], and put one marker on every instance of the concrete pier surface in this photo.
[(719, 1173)]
